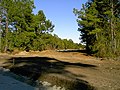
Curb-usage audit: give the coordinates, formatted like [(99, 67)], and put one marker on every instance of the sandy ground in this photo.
[(102, 74), (105, 75)]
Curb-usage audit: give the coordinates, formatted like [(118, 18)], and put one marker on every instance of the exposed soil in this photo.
[(56, 67)]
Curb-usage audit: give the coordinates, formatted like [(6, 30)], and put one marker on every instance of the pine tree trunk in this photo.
[(0, 33), (112, 28), (6, 36)]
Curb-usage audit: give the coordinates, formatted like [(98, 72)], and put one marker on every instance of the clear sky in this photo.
[(60, 12)]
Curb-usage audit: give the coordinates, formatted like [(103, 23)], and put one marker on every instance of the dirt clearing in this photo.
[(103, 75)]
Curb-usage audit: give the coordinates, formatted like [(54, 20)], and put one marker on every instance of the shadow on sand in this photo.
[(51, 70), (72, 50)]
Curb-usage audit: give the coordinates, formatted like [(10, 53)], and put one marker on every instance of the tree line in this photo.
[(99, 25), (22, 30)]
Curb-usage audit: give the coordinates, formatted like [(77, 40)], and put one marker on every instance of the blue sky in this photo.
[(60, 12)]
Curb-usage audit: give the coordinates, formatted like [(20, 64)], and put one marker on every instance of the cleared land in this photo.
[(65, 69)]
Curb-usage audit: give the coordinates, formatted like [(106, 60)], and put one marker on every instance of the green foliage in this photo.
[(22, 30), (98, 23)]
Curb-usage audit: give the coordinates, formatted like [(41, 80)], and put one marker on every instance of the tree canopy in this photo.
[(99, 25), (23, 30)]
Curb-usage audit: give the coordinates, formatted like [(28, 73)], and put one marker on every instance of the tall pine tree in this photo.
[(99, 23)]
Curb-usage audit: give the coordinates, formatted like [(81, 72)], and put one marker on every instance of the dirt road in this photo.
[(103, 75)]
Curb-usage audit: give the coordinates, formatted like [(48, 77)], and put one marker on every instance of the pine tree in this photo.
[(99, 26), (89, 24)]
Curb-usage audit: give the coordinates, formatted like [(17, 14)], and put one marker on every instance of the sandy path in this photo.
[(102, 74)]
